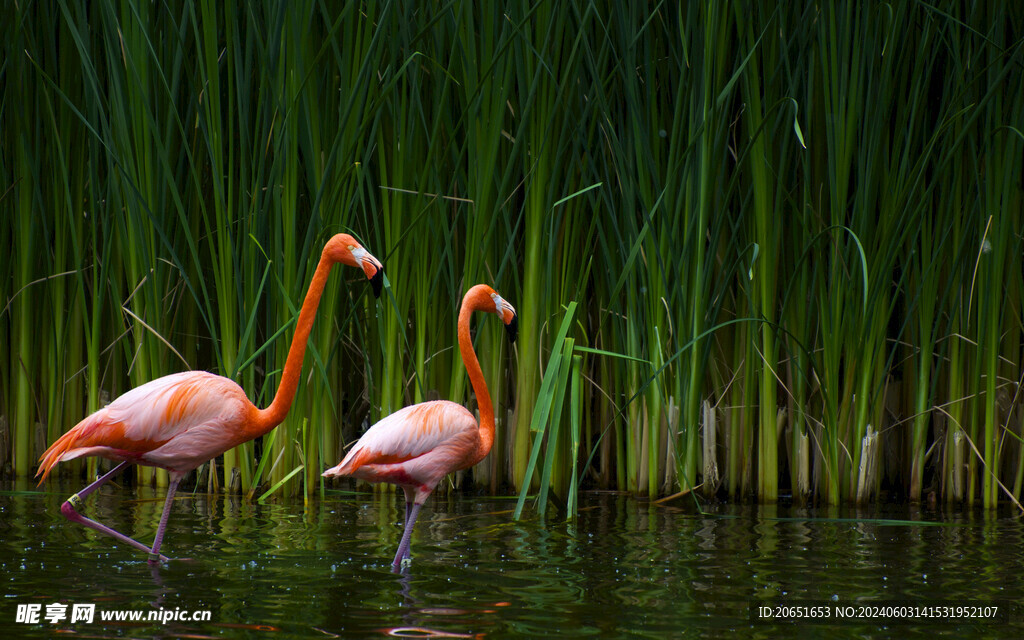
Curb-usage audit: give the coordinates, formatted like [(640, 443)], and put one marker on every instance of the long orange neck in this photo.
[(476, 378), (267, 419)]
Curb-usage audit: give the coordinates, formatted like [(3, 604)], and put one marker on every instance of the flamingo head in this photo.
[(345, 249), (491, 300)]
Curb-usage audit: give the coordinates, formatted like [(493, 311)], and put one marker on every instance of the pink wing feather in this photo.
[(176, 422), (423, 442)]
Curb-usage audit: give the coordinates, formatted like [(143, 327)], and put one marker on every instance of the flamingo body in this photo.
[(415, 447), (182, 420), (176, 422)]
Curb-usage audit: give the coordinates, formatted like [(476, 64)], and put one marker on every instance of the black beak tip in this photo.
[(377, 281), (513, 329)]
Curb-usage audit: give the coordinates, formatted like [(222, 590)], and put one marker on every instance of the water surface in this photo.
[(625, 568)]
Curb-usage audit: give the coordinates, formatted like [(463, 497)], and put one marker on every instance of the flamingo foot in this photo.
[(399, 566), (165, 560)]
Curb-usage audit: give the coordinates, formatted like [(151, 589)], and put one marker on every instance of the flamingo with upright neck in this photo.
[(180, 421), (419, 445)]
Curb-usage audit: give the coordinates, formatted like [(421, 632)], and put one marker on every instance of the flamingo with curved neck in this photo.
[(180, 421), (415, 447)]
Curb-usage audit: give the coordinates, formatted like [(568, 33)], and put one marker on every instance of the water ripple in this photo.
[(625, 568)]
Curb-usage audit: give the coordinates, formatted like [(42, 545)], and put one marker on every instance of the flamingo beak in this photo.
[(507, 313), (372, 267), (512, 327), (377, 281)]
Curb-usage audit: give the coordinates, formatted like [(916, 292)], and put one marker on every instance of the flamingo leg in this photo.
[(410, 496), (403, 548), (154, 554), (99, 482), (68, 510)]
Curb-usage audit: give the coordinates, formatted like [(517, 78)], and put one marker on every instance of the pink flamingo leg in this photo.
[(99, 481), (154, 555), (68, 510), (403, 548), (410, 497)]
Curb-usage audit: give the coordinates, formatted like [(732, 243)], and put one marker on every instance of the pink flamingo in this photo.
[(180, 421), (417, 446)]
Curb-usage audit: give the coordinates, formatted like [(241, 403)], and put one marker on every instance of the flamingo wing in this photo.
[(155, 422), (408, 434)]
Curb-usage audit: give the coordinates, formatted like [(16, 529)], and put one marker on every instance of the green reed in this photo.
[(795, 225)]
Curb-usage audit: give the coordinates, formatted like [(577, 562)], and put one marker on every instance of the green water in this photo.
[(626, 568)]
